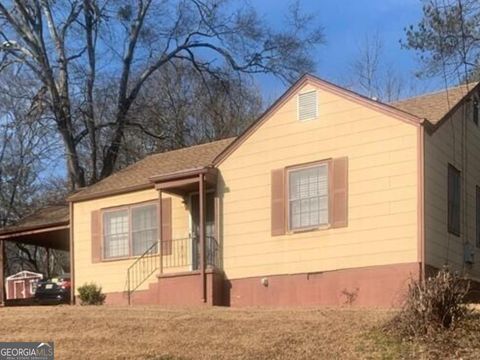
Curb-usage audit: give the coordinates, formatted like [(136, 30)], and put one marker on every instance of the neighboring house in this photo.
[(328, 198), (22, 285)]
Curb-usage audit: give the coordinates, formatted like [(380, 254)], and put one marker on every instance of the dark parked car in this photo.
[(54, 290)]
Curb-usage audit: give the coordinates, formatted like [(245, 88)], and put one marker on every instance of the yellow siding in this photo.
[(382, 224), (451, 143), (112, 275)]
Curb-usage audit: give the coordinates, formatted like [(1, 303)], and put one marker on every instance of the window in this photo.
[(477, 217), (307, 106), (144, 228), (129, 231), (308, 197), (453, 200)]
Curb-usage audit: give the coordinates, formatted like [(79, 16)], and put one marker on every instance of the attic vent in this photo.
[(307, 105)]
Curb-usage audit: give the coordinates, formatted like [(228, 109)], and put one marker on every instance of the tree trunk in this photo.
[(111, 156), (75, 171)]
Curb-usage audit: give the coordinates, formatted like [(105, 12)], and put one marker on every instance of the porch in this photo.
[(188, 268)]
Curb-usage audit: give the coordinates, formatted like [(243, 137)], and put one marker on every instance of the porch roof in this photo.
[(47, 227), (185, 182)]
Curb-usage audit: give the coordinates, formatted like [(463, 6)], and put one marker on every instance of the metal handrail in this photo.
[(142, 269), (176, 253)]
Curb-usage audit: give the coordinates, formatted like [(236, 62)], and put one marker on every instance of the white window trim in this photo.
[(294, 168), (130, 237), (316, 105)]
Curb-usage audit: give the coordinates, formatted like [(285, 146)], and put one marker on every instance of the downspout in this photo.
[(72, 257), (421, 199)]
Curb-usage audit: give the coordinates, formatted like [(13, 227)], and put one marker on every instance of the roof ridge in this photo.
[(436, 92), (188, 147)]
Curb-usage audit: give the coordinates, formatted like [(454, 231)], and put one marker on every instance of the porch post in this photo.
[(72, 258), (48, 261), (160, 228), (2, 274), (201, 197)]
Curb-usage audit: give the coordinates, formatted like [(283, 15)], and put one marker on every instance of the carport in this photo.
[(48, 227)]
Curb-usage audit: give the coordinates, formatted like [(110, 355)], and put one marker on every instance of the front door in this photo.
[(209, 225)]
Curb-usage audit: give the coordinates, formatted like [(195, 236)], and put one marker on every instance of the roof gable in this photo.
[(326, 86)]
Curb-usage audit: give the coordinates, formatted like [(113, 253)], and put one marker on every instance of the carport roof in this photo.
[(47, 227), (45, 217)]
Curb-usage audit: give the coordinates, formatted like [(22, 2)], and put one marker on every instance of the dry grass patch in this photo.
[(209, 333), (103, 332)]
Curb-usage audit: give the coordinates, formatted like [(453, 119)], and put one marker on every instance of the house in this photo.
[(328, 198)]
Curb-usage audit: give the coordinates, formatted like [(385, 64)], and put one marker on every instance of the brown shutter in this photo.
[(339, 192), (278, 202), (167, 226), (96, 232)]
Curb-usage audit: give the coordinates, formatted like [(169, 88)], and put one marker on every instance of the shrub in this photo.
[(91, 294), (435, 304)]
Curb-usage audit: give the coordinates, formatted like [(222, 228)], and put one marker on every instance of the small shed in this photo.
[(22, 285)]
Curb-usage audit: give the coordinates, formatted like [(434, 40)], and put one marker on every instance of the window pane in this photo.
[(144, 228), (115, 233), (308, 197)]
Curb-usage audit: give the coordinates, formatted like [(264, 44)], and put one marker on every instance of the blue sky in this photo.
[(346, 24)]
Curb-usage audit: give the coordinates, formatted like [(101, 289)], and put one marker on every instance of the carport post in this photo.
[(2, 275)]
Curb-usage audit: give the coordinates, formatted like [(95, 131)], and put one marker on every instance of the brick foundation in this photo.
[(376, 286)]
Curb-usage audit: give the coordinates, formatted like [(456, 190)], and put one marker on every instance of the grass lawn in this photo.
[(211, 333)]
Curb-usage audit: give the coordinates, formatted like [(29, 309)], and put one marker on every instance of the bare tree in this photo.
[(187, 107), (27, 148), (68, 46), (372, 75), (179, 107)]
